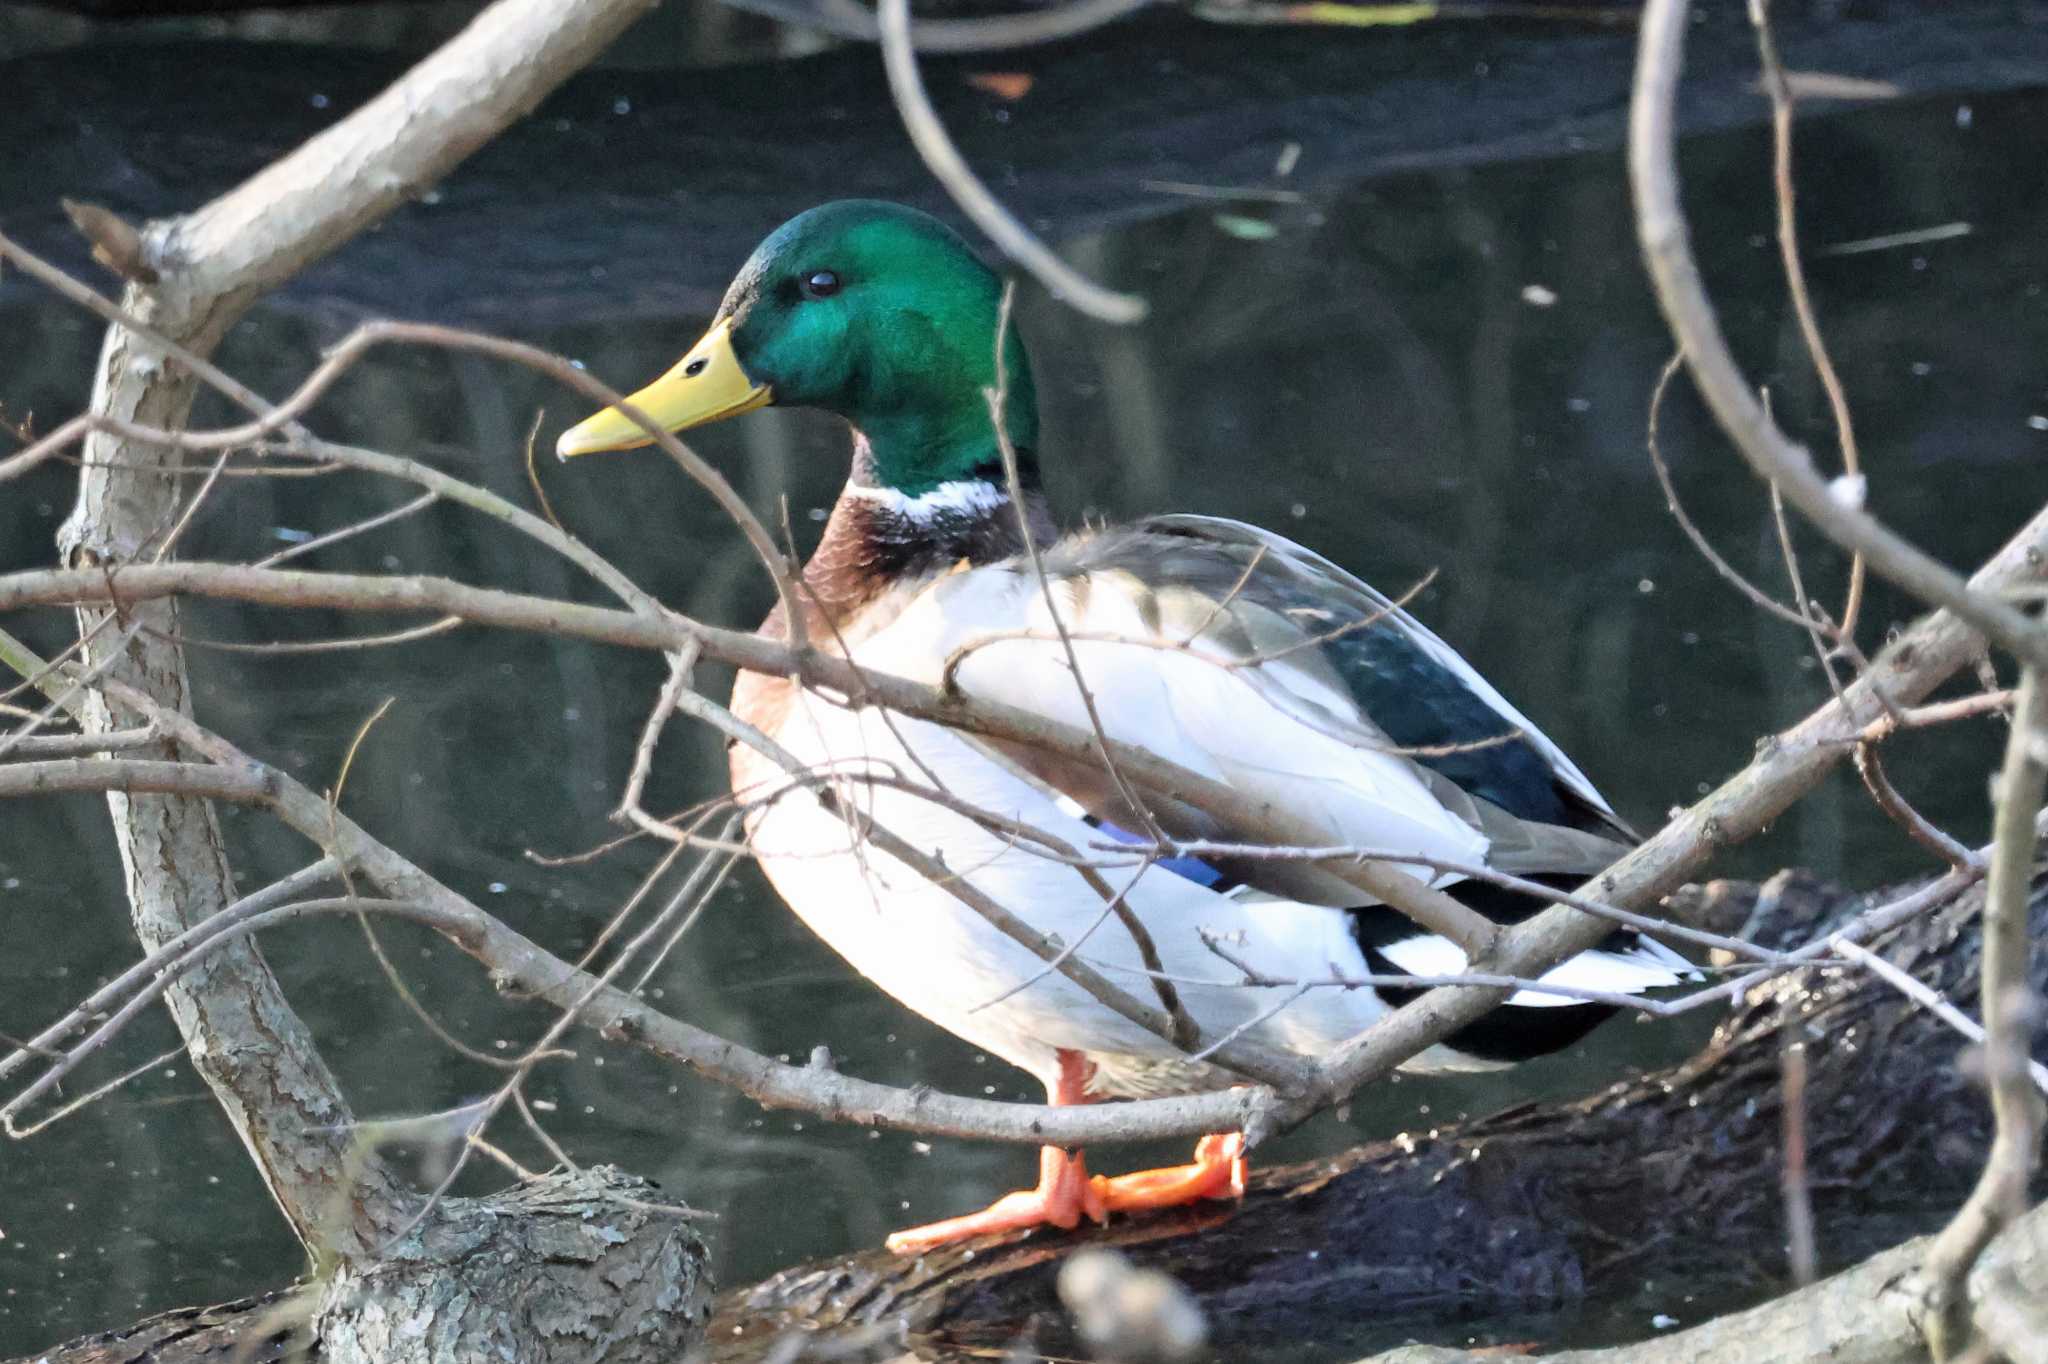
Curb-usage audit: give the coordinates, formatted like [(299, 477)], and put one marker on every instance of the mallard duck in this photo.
[(1222, 647)]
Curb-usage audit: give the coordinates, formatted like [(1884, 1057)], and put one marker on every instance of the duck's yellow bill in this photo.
[(705, 385)]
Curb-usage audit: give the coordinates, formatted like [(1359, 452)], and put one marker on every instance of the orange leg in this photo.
[(1218, 1172), (1063, 1197), (1065, 1192)]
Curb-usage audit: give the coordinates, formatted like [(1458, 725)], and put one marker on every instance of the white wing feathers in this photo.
[(1284, 731), (1567, 771), (1644, 964)]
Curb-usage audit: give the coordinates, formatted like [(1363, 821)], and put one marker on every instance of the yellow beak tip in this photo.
[(706, 385)]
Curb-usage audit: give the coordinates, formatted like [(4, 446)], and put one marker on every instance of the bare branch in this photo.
[(515, 961), (285, 587), (80, 745), (1997, 702), (1761, 599), (277, 893), (1778, 86), (115, 244), (1476, 871), (921, 121), (316, 646), (1778, 461), (130, 775), (2009, 1015), (1784, 770), (1798, 1194), (1928, 999), (1915, 665), (336, 536), (1918, 827), (245, 1041)]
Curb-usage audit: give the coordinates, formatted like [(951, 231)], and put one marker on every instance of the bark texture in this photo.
[(1662, 1190), (1657, 1192), (583, 1268), (204, 269), (590, 1267)]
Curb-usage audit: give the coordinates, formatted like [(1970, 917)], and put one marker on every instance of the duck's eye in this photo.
[(820, 284)]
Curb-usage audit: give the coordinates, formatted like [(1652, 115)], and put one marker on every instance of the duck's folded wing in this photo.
[(1242, 657)]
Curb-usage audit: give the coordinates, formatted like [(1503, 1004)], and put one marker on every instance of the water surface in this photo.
[(1442, 371)]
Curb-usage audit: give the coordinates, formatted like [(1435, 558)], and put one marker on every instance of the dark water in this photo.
[(1378, 375)]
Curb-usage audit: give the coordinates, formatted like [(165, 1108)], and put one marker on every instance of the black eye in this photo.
[(820, 284), (695, 367)]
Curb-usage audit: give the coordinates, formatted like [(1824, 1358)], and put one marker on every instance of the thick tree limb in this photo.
[(1667, 1180), (245, 1041)]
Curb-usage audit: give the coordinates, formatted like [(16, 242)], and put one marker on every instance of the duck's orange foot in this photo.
[(1218, 1172), (1063, 1197)]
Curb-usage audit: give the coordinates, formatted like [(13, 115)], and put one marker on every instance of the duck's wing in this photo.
[(1410, 683), (1243, 657)]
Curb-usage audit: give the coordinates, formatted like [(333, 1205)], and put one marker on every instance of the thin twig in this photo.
[(681, 664), (1995, 702), (1476, 871), (269, 897), (1901, 811), (540, 494), (93, 1095), (1926, 997), (1779, 88), (702, 884), (341, 533), (1807, 607), (1763, 600), (1798, 1194), (996, 397), (987, 33), (346, 644), (943, 159)]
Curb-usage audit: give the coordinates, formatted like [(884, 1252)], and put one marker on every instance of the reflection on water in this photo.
[(1446, 371)]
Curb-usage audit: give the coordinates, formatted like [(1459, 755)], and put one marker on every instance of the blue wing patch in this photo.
[(1187, 868)]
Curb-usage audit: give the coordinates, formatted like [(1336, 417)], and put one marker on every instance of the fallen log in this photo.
[(1577, 1222), (1656, 1200)]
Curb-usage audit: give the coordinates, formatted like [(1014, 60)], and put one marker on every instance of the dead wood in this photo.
[(1661, 1190), (589, 1265)]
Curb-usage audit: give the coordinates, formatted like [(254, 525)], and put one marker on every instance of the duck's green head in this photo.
[(871, 310)]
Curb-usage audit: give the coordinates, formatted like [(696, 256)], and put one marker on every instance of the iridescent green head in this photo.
[(868, 309)]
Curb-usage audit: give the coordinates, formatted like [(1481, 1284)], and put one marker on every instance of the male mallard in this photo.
[(1227, 649)]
